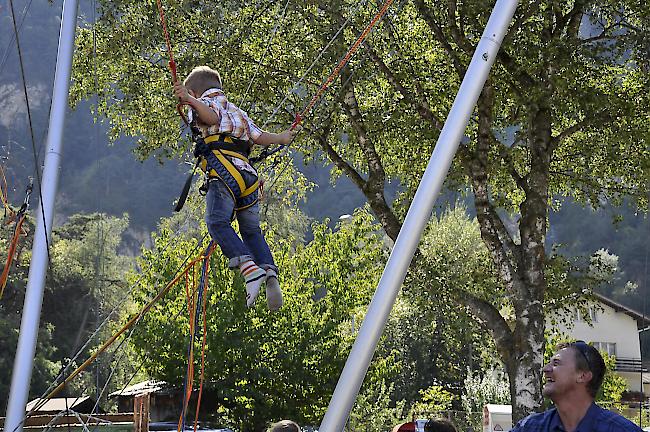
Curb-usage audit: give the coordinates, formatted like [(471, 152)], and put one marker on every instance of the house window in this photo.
[(608, 347), (593, 315)]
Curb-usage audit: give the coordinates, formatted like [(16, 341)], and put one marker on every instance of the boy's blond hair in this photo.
[(201, 79)]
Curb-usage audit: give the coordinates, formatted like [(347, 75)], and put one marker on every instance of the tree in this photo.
[(84, 283), (432, 339), (564, 113), (264, 366)]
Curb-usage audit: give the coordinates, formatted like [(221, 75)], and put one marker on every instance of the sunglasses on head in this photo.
[(584, 350)]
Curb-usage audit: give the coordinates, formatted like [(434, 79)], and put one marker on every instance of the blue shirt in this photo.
[(596, 419)]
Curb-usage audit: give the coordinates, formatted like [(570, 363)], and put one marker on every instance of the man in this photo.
[(285, 426), (573, 377), (439, 425)]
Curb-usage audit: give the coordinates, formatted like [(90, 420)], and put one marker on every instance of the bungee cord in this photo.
[(266, 51), (37, 171), (51, 390), (305, 112)]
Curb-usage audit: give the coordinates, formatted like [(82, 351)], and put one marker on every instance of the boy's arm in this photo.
[(268, 138), (206, 114)]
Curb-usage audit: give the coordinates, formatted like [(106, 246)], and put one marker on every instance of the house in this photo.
[(164, 400), (614, 329), (81, 404)]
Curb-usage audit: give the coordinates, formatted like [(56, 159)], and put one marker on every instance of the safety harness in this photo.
[(213, 153)]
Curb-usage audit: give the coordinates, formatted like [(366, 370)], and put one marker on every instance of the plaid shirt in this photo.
[(596, 419), (232, 120)]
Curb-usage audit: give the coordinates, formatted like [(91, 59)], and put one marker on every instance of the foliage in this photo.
[(264, 366), (482, 388), (375, 408), (613, 385), (431, 338), (84, 284), (432, 399), (622, 231)]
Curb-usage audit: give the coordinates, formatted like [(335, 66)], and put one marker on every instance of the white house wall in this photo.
[(614, 327), (611, 326)]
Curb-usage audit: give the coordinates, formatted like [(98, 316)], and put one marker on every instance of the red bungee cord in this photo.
[(337, 70), (172, 63)]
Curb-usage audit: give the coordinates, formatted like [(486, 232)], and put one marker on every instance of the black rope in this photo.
[(61, 376), (31, 129), (5, 56)]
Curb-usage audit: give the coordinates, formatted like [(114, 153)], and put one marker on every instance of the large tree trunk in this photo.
[(518, 257), (520, 264)]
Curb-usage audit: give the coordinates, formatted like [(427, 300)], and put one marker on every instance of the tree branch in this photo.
[(489, 317), (428, 17), (493, 231), (420, 103), (602, 117), (336, 158), (456, 34)]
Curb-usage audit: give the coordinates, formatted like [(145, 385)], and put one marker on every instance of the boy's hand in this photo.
[(287, 136), (181, 93)]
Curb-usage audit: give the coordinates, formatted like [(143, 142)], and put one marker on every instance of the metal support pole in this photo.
[(416, 219), (24, 360)]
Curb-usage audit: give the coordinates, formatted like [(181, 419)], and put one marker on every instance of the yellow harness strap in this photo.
[(232, 169)]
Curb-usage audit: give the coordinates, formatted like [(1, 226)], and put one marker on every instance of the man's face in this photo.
[(561, 374)]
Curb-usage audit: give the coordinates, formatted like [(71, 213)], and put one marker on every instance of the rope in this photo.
[(117, 360), (31, 128), (19, 217), (328, 81), (346, 58), (266, 51), (313, 64), (10, 214), (117, 334), (196, 305), (5, 56), (172, 63)]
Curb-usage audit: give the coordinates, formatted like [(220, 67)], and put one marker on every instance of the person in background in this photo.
[(439, 425), (285, 426)]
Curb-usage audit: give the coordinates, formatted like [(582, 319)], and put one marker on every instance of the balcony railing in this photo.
[(629, 365)]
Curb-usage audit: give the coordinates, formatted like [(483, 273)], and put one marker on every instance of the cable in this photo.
[(112, 339), (351, 51), (328, 81), (266, 50), (5, 56), (313, 64), (19, 217), (31, 130), (117, 307)]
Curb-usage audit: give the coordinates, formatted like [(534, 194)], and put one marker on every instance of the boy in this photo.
[(231, 134)]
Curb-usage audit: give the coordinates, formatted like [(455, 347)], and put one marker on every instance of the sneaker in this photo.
[(254, 278), (273, 291)]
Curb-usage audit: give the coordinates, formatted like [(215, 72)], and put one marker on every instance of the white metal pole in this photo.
[(24, 360), (417, 217)]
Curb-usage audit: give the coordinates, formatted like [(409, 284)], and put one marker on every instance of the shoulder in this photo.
[(214, 95), (613, 422), (535, 422)]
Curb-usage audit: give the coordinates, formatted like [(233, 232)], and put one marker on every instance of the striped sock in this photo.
[(254, 278)]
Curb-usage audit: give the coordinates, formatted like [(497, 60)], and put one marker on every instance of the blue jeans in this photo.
[(219, 208)]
